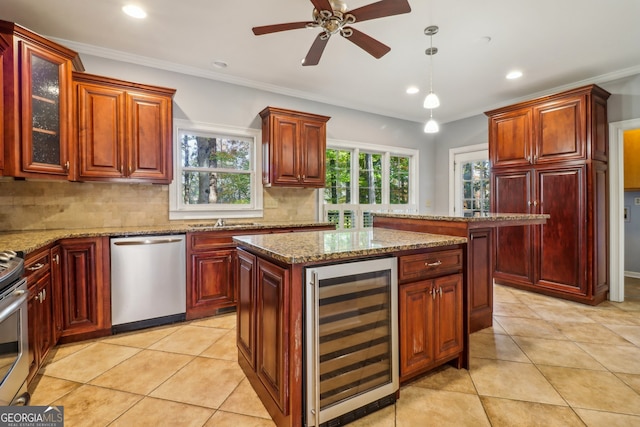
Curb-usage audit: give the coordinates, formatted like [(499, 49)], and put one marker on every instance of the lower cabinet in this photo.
[(86, 294), (263, 327), (41, 333), (431, 312), (41, 273)]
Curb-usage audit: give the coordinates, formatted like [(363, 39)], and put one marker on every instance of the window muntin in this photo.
[(383, 178), (216, 173)]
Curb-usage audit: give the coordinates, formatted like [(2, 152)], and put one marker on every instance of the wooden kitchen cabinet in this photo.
[(86, 293), (123, 130), (4, 47), (212, 269), (263, 329), (431, 312), (40, 308), (294, 146), (563, 173), (246, 316), (37, 104)]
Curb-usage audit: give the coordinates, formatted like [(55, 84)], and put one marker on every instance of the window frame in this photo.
[(178, 210), (359, 209)]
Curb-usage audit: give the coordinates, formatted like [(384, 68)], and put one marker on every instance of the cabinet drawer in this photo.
[(205, 240), (432, 264), (36, 265)]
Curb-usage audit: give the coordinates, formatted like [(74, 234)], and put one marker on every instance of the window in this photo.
[(216, 172), (362, 179)]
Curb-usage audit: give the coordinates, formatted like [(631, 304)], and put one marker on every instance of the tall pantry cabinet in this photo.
[(549, 156)]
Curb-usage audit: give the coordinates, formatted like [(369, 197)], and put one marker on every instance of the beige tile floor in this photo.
[(545, 362)]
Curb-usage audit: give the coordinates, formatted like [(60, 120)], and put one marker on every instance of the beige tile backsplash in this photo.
[(40, 205)]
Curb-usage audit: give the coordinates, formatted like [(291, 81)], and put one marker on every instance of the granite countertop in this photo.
[(489, 217), (313, 246), (28, 241)]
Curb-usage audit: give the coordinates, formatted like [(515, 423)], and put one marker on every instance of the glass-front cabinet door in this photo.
[(45, 108)]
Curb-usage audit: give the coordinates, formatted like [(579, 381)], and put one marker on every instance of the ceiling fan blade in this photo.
[(381, 9), (267, 29), (322, 5), (314, 54), (371, 45)]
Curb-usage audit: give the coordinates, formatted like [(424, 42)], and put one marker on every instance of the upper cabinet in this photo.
[(37, 104), (293, 148), (567, 126), (123, 130)]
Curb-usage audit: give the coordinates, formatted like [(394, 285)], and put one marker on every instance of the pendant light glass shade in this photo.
[(431, 101), (431, 126)]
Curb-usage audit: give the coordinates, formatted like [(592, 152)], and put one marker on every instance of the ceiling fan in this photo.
[(333, 17)]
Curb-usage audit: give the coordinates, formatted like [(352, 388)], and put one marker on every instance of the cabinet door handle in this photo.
[(535, 203), (440, 291), (56, 258), (66, 165), (35, 267), (433, 293), (433, 264)]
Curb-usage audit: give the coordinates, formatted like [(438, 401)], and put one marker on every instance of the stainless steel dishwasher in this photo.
[(148, 281)]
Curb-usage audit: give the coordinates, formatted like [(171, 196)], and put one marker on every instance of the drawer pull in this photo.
[(433, 264), (35, 267)]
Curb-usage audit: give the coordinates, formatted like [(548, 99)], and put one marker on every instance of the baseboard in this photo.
[(633, 274)]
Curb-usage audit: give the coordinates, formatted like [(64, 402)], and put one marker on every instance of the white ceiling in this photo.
[(557, 44)]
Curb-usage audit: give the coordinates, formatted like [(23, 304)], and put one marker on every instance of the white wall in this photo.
[(211, 101)]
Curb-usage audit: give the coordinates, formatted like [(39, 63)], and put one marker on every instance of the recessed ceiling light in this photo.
[(134, 11), (219, 64), (412, 90), (512, 75)]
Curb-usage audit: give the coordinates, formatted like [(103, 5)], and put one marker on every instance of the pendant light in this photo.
[(431, 126), (432, 100)]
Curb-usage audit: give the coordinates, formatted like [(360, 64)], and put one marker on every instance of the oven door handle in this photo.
[(22, 296)]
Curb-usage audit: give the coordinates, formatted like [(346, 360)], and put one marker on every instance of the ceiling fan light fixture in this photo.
[(431, 101)]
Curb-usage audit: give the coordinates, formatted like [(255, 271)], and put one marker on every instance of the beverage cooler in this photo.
[(351, 344)]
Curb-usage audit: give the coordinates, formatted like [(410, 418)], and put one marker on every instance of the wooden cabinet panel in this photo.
[(416, 323), (56, 290), (150, 142), (449, 329), (4, 47), (101, 126), (480, 287), (85, 288), (431, 324), (562, 244), (293, 145), (39, 272), (211, 283), (246, 315), (313, 155), (511, 132), (512, 192), (431, 264), (559, 128), (272, 331), (123, 130)]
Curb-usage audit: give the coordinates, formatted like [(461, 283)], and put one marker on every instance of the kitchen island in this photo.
[(273, 322), (479, 231)]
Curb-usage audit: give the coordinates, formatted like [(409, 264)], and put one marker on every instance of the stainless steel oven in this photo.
[(14, 341), (351, 340)]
